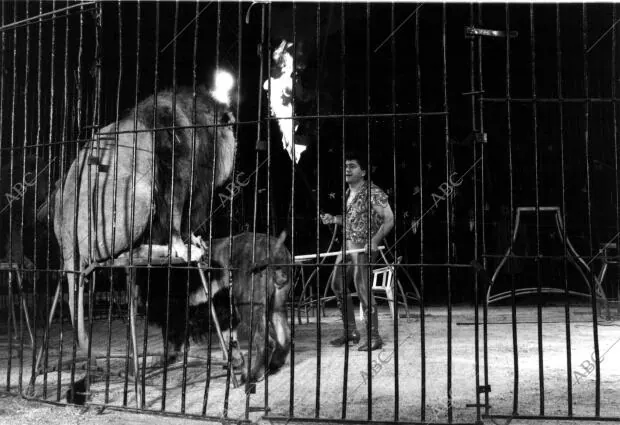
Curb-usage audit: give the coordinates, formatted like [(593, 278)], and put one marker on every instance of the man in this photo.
[(359, 204)]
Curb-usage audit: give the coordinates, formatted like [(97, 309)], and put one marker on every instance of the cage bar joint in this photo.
[(483, 389), (261, 145), (471, 32), (473, 138)]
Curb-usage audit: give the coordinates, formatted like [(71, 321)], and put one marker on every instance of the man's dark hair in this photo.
[(359, 157)]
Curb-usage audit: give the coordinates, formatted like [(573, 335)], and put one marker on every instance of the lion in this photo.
[(260, 289), (136, 170)]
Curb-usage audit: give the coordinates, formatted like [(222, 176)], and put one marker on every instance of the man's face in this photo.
[(353, 173)]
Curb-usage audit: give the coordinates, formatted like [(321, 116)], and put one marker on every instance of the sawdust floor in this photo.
[(329, 397)]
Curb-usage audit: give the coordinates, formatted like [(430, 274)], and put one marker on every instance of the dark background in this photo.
[(543, 152)]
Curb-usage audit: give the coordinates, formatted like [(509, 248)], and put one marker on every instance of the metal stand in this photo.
[(13, 268), (128, 260), (574, 258), (606, 259), (384, 280), (388, 268)]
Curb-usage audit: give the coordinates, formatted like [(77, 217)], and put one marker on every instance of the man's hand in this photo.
[(374, 246), (328, 219)]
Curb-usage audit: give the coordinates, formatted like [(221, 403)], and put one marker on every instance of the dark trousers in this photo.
[(356, 270)]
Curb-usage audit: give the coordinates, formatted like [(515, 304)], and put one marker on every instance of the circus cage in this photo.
[(492, 128)]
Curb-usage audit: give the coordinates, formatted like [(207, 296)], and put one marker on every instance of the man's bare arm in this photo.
[(385, 212)]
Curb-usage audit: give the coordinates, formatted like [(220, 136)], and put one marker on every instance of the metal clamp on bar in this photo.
[(471, 32), (93, 160)]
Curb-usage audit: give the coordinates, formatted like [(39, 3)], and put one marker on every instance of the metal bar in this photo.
[(171, 199), (319, 55), (479, 149), (165, 414), (109, 337), (558, 418), (190, 202), (291, 408), (421, 265), (541, 373), (229, 370), (238, 124), (114, 203), (107, 135), (344, 270), (587, 106), (353, 421), (391, 36), (4, 63), (63, 156), (421, 215), (45, 342), (177, 262), (368, 224), (130, 273), (95, 121), (28, 20), (567, 319), (364, 116), (541, 257), (156, 53), (91, 215), (552, 100), (207, 289), (396, 211), (615, 77), (10, 312), (475, 92), (145, 335), (209, 298), (35, 258), (449, 210), (270, 228), (248, 388), (76, 264), (26, 92), (130, 279), (210, 301)]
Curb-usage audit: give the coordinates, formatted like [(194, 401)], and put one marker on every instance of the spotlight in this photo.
[(224, 82)]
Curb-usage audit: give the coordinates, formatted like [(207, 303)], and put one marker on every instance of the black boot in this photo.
[(348, 320), (373, 340)]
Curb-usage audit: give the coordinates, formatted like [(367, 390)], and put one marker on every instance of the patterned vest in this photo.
[(356, 217)]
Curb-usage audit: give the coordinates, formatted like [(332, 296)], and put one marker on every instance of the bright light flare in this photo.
[(281, 96), (224, 82)]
